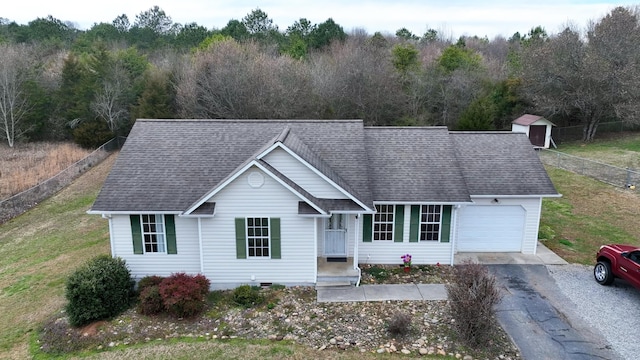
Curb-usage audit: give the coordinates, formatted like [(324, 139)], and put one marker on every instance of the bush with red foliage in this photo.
[(184, 295)]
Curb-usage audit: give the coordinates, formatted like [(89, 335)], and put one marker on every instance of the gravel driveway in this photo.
[(612, 310)]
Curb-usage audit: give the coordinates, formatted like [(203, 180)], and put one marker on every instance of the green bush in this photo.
[(100, 289), (247, 296), (92, 134), (150, 301), (184, 295), (148, 281)]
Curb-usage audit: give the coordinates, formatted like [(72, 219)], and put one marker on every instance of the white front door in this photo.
[(335, 235)]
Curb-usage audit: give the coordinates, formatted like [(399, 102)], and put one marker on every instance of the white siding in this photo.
[(238, 199), (531, 208), (389, 252), (302, 175), (517, 128), (186, 260)]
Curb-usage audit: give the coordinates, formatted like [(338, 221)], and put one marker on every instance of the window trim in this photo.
[(268, 237), (156, 233), (427, 223), (375, 221)]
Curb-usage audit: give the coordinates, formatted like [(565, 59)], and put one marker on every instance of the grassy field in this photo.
[(618, 149), (592, 213), (26, 165), (39, 249)]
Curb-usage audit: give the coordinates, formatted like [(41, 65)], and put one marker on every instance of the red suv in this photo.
[(618, 261)]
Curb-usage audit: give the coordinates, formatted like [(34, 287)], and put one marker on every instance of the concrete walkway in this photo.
[(383, 293), (544, 256)]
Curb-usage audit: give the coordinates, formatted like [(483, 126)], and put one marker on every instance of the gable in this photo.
[(302, 175), (169, 165)]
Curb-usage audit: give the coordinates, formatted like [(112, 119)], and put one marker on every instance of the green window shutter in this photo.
[(414, 226), (136, 233), (274, 224), (367, 227), (241, 239), (446, 223), (398, 224), (170, 226)]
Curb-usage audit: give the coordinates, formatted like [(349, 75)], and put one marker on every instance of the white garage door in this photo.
[(491, 229)]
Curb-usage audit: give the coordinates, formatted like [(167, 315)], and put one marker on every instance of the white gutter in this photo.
[(515, 196)]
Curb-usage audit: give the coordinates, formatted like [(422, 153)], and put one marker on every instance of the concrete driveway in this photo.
[(541, 321)]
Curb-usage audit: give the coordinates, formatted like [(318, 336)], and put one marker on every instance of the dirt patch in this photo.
[(92, 329)]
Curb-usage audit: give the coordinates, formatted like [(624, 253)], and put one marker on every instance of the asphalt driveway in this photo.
[(541, 320)]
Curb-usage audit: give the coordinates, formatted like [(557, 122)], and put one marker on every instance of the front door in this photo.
[(335, 235)]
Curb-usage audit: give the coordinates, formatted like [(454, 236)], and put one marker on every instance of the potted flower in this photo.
[(406, 259)]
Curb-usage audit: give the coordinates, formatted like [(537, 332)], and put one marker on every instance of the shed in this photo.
[(537, 128)]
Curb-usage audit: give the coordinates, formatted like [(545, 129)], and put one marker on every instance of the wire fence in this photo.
[(613, 175), (574, 133), (19, 203)]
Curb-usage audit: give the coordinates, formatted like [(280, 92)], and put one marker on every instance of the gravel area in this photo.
[(293, 314), (613, 310)]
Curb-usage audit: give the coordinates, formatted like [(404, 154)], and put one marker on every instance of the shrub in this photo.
[(400, 324), (472, 295), (100, 289), (150, 301), (247, 296), (378, 273), (148, 281), (184, 295)]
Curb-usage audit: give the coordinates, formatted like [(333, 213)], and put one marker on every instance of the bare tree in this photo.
[(16, 67), (110, 102), (232, 80), (589, 81)]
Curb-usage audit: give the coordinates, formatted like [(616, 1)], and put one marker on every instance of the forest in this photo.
[(61, 83)]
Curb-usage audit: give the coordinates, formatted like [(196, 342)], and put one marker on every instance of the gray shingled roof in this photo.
[(501, 163), (167, 165), (414, 164)]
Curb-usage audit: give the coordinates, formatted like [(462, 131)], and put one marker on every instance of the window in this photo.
[(258, 237), (430, 216), (383, 223), (153, 233)]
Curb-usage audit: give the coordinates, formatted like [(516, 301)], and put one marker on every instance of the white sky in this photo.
[(451, 18)]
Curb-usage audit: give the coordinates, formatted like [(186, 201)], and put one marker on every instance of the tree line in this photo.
[(58, 82)]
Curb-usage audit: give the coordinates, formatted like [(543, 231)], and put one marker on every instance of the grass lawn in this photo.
[(592, 213), (39, 249)]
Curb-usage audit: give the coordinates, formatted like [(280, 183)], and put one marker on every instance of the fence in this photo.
[(613, 175), (19, 203), (574, 133)]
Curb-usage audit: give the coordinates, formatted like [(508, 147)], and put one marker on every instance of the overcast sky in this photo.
[(450, 17)]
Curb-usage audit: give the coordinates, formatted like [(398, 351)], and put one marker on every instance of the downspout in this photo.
[(111, 243), (200, 245), (315, 248), (454, 227), (355, 249)]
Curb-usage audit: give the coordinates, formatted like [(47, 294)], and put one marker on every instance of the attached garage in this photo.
[(491, 228)]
